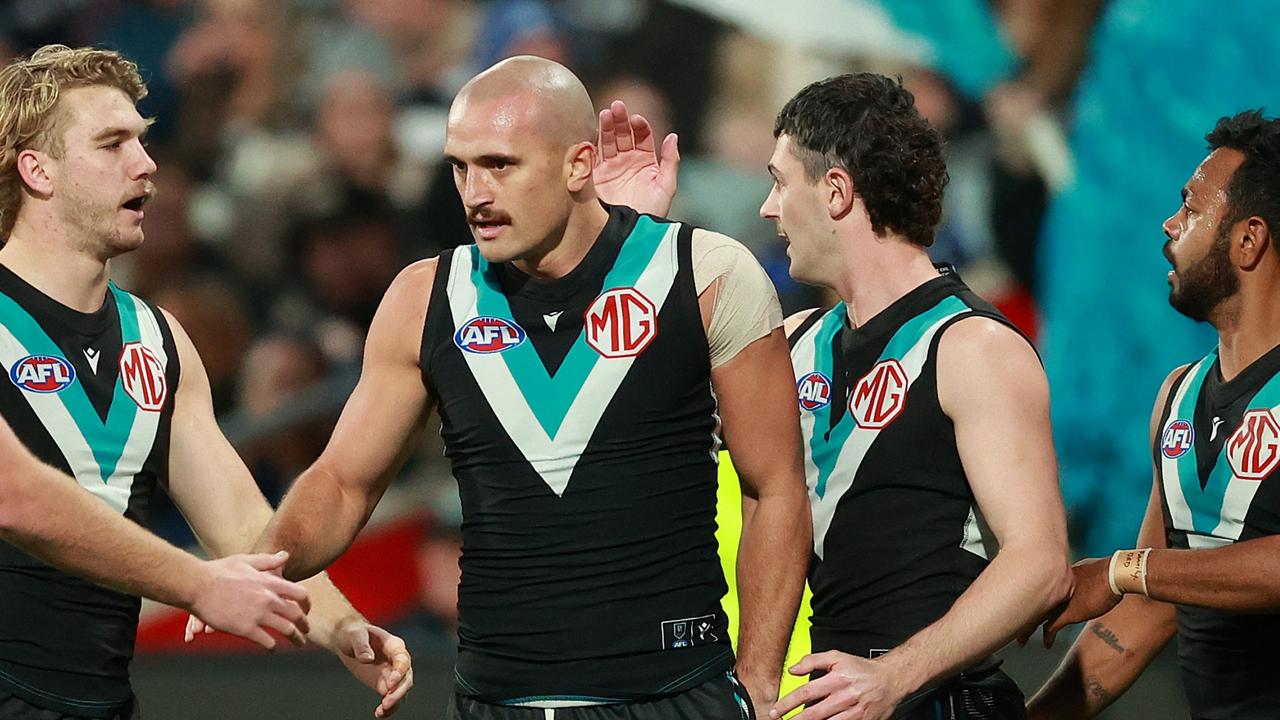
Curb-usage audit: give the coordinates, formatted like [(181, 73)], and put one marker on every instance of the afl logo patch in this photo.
[(1177, 439), (42, 373), (814, 390), (142, 375), (487, 335)]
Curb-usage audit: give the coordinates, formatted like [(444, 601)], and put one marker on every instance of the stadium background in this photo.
[(298, 143)]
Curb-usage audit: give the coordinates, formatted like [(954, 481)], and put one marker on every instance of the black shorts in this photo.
[(721, 698), (13, 707), (985, 695)]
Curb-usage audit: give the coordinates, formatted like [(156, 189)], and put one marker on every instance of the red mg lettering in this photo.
[(880, 396), (1254, 448)]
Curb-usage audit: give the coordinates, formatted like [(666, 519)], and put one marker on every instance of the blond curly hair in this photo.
[(29, 110)]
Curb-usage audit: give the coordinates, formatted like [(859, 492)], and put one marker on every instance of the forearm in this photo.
[(1016, 589), (316, 523), (330, 611), (1105, 660), (773, 556), (45, 514), (1241, 577)]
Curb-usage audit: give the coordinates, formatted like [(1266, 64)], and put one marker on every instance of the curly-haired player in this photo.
[(924, 415)]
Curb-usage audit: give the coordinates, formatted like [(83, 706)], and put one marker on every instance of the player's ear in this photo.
[(580, 160), (837, 186), (33, 167), (1251, 239)]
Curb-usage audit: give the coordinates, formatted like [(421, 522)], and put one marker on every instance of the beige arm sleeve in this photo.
[(746, 304)]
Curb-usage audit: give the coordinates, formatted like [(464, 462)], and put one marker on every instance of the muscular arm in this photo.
[(216, 493), (43, 512), (992, 387), (332, 500), (761, 429), (755, 389), (1113, 650)]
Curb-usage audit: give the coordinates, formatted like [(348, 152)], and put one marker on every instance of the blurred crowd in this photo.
[(298, 144)]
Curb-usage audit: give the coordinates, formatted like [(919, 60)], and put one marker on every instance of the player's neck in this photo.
[(568, 249), (1248, 326), (48, 262), (883, 276)]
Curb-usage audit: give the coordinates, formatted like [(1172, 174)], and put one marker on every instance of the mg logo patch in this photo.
[(621, 323), (1254, 448), (1177, 439), (486, 335), (879, 397), (814, 390), (142, 375), (42, 374)]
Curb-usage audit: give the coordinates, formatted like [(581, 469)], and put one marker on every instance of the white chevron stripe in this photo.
[(62, 428), (858, 443), (142, 435), (554, 459), (1179, 509), (1235, 504)]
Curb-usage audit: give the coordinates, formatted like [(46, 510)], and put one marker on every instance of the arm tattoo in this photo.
[(1106, 635), (1099, 694)]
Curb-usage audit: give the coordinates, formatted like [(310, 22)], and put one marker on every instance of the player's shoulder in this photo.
[(796, 320), (981, 346), (982, 334), (709, 241)]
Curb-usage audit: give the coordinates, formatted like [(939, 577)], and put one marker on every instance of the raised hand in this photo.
[(244, 595), (628, 170)]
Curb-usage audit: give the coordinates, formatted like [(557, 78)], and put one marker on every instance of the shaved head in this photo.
[(542, 97)]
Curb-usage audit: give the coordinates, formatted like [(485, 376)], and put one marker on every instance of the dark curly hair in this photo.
[(868, 125), (1254, 189)]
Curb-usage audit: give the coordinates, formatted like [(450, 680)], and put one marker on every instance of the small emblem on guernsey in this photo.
[(1177, 438), (879, 397), (814, 390), (621, 323), (486, 335), (142, 375), (1254, 448), (42, 373)]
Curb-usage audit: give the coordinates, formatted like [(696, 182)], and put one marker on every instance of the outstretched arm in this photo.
[(43, 512), (216, 493), (332, 500), (1112, 650)]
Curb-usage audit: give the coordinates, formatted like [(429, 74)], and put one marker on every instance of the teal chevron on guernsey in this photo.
[(552, 417), (1212, 515), (103, 455), (833, 454)]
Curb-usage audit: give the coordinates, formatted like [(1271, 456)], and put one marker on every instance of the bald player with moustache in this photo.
[(46, 514), (580, 356)]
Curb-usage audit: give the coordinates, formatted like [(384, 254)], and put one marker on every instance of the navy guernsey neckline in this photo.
[(1250, 379), (887, 321), (603, 251), (85, 324)]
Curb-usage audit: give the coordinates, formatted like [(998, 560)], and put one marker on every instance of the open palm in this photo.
[(628, 170)]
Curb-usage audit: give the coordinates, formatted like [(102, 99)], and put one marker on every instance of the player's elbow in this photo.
[(1047, 579)]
